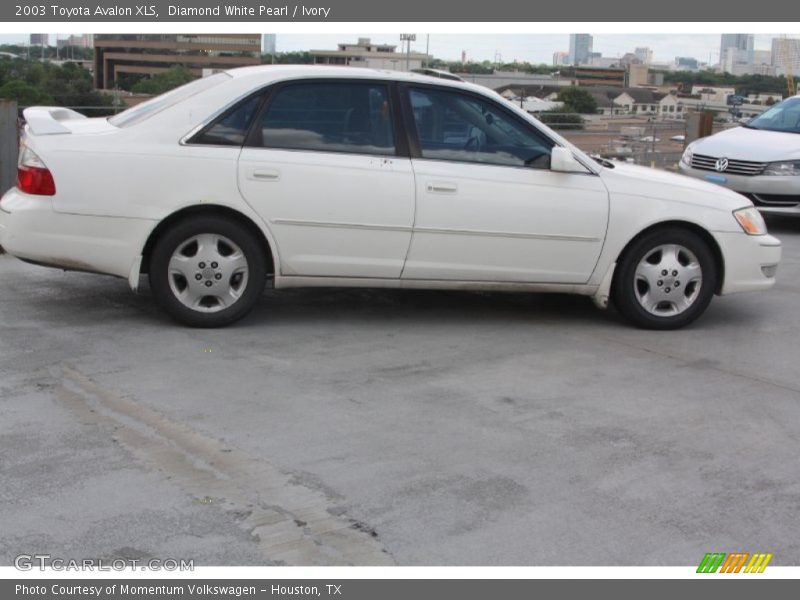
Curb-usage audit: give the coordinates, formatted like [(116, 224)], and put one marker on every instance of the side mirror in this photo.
[(562, 160)]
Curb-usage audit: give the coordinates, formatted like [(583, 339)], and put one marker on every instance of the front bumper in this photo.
[(750, 261), (32, 231), (755, 186)]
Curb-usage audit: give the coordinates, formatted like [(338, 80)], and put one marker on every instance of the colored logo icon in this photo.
[(735, 562)]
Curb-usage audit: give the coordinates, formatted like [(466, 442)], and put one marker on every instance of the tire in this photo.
[(651, 299), (207, 271)]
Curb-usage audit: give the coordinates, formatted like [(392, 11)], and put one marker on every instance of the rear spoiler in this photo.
[(46, 120)]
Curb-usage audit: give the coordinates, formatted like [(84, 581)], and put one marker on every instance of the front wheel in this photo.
[(665, 280), (207, 271)]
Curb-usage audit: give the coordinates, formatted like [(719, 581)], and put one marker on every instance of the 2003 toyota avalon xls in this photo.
[(325, 176)]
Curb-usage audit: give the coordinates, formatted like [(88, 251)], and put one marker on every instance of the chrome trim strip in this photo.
[(507, 234), (434, 230), (303, 223)]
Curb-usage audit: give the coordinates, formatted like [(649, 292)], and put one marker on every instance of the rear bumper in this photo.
[(750, 261), (32, 231)]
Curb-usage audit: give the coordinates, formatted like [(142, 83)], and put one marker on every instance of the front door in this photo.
[(488, 206)]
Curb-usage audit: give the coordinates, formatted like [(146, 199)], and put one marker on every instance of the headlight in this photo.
[(790, 167), (687, 156), (750, 220)]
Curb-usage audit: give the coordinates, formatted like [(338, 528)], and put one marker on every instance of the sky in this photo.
[(534, 48)]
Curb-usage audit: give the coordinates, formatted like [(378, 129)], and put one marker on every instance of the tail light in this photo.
[(33, 176)]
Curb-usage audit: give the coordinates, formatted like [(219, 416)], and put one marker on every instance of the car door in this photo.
[(488, 206), (323, 167)]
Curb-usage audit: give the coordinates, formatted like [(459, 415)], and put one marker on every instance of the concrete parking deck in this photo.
[(379, 427)]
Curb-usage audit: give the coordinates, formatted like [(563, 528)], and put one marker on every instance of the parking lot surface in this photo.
[(396, 427)]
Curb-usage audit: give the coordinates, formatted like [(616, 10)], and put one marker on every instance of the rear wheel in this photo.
[(207, 271), (665, 280)]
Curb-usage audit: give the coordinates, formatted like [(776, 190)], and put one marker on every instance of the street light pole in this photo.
[(427, 48)]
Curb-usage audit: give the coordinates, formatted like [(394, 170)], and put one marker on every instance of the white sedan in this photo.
[(760, 159), (325, 176)]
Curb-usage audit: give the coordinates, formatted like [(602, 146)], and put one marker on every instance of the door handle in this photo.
[(265, 174), (442, 187)]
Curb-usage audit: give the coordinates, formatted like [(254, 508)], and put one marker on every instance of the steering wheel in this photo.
[(473, 144)]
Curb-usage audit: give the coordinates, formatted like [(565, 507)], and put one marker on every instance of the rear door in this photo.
[(325, 168)]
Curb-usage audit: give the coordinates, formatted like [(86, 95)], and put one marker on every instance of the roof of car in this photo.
[(277, 72)]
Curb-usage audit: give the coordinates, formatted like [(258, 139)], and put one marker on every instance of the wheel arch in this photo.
[(703, 233), (205, 210)]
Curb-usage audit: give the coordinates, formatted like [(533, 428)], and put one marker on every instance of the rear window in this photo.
[(145, 110), (330, 117)]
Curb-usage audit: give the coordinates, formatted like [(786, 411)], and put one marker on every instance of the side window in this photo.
[(330, 117), (460, 127), (230, 129)]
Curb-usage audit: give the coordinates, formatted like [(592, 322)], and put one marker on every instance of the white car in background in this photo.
[(323, 176), (760, 159)]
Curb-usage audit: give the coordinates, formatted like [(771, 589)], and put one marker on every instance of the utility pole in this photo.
[(427, 48), (408, 38)]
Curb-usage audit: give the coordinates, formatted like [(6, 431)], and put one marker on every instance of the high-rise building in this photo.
[(149, 54), (644, 54), (786, 55), (268, 46), (39, 39), (742, 42), (580, 48), (734, 61), (560, 58), (762, 57)]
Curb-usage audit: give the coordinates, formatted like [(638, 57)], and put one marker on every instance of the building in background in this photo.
[(560, 58), (786, 56), (742, 42), (373, 56), (736, 61), (762, 57), (580, 48), (713, 94), (149, 54), (596, 59), (644, 54), (591, 76), (628, 59), (81, 40), (39, 39), (637, 75), (269, 43)]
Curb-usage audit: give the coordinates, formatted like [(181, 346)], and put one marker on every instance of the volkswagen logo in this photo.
[(721, 164)]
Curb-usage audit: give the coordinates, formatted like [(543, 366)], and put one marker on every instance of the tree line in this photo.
[(33, 81)]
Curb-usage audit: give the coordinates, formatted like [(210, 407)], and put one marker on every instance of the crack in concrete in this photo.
[(290, 522)]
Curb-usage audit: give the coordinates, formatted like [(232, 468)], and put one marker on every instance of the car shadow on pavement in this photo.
[(779, 224), (76, 299)]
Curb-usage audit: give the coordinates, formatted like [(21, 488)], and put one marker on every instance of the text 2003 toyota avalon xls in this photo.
[(346, 177)]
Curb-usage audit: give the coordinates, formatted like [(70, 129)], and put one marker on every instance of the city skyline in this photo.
[(533, 48)]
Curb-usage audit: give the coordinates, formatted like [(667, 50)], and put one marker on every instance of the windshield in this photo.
[(784, 116), (142, 111)]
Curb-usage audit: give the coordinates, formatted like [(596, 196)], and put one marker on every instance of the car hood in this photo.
[(632, 180), (750, 144)]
